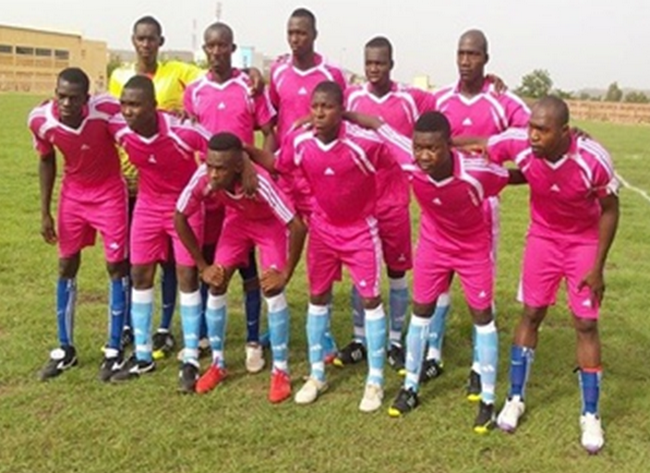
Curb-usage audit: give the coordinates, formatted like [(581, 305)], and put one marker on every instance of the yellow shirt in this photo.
[(170, 80)]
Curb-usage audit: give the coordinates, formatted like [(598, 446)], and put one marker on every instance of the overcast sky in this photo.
[(582, 43)]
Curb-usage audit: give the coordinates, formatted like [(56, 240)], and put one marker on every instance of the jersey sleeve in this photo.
[(425, 101), (604, 181), (188, 101), (285, 156), (493, 178), (41, 144), (517, 112), (278, 202), (505, 146), (264, 111), (190, 73), (339, 77), (107, 104), (399, 147), (190, 200)]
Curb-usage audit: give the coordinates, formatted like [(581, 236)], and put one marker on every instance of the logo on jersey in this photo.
[(152, 159), (302, 91), (221, 106), (555, 188), (85, 147), (468, 122), (437, 201), (329, 172)]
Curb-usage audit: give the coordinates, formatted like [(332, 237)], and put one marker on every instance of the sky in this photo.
[(582, 43)]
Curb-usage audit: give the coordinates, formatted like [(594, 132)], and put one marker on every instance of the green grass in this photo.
[(76, 424)]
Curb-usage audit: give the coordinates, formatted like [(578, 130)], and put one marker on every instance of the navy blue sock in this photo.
[(252, 301), (169, 286)]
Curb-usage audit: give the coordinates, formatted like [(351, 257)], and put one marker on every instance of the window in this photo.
[(62, 54), (6, 49), (24, 50), (43, 52)]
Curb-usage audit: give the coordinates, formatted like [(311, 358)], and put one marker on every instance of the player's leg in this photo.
[(253, 309), (355, 351), (163, 340), (398, 304), (190, 309), (117, 297)]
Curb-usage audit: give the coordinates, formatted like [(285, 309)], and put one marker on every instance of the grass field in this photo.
[(77, 424)]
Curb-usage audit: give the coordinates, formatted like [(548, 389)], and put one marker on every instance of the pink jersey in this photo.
[(563, 195), (228, 107), (268, 203), (166, 161), (341, 175), (452, 210), (485, 114), (399, 108), (90, 157), (290, 89)]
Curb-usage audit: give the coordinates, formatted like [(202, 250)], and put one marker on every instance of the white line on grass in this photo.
[(641, 192)]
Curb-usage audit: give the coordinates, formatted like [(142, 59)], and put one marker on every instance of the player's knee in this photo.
[(68, 267), (320, 299), (252, 284), (424, 310), (117, 270), (394, 274), (371, 302), (586, 327), (142, 276), (482, 316), (188, 280), (533, 316)]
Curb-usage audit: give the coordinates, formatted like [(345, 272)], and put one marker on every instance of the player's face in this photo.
[(430, 149), (70, 100), (224, 167), (470, 59), (545, 132), (326, 113), (146, 41), (137, 108), (378, 65), (218, 49), (301, 36)]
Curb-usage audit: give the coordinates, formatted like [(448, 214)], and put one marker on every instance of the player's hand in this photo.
[(257, 82), (499, 86), (47, 230), (273, 281), (595, 281), (213, 275)]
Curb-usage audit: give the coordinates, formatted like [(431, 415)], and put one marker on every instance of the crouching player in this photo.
[(260, 222)]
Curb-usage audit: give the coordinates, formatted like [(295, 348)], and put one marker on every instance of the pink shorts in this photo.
[(546, 262), (433, 271), (151, 229), (240, 236), (395, 234), (357, 247), (79, 221), (212, 224)]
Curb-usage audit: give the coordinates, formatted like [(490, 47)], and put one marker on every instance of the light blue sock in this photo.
[(376, 341), (191, 322), (66, 296), (215, 320), (487, 344), (116, 306), (278, 313), (317, 316), (141, 310), (398, 300), (416, 339), (437, 328), (358, 316)]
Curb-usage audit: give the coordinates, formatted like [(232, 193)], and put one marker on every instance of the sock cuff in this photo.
[(443, 299), (398, 283), (375, 314), (419, 321), (216, 302), (190, 298), (594, 370), (487, 328), (276, 303), (318, 310), (142, 296)]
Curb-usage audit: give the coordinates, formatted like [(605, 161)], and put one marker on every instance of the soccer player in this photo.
[(170, 79), (221, 101), (574, 216), (474, 106), (164, 151), (450, 189), (261, 221), (93, 199), (399, 106)]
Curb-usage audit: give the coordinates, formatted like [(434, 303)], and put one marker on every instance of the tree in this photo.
[(563, 94), (636, 97), (614, 93), (536, 84)]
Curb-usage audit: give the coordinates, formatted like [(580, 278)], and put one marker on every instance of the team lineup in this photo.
[(165, 168)]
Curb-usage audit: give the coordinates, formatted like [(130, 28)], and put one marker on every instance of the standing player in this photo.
[(170, 79), (93, 199), (260, 221), (164, 150), (574, 217), (474, 108), (399, 107), (220, 101)]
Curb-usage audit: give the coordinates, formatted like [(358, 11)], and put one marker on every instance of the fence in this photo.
[(610, 112)]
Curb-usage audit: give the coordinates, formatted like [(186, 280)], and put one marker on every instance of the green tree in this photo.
[(636, 97), (563, 94), (536, 84), (614, 93)]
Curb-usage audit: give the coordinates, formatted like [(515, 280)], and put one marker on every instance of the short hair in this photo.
[(149, 20), (433, 122), (219, 26), (558, 108), (143, 83), (304, 13), (75, 75), (381, 42), (225, 142), (331, 88), (479, 36)]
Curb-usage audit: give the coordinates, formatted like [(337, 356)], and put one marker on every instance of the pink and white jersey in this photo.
[(165, 161), (452, 218), (341, 175), (485, 114), (290, 88), (228, 107), (269, 202), (563, 195), (90, 157), (399, 108)]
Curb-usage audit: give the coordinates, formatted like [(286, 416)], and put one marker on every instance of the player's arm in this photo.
[(297, 234), (47, 176), (189, 240), (516, 177), (499, 86), (261, 157), (607, 226), (257, 80), (249, 177), (363, 120), (270, 143), (470, 144)]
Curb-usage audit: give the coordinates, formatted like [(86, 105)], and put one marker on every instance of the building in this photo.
[(128, 55), (31, 58)]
